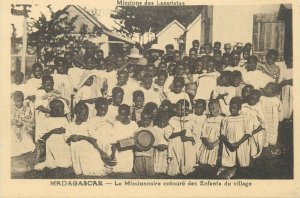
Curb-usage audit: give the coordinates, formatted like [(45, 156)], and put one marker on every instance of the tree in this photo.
[(144, 19), (56, 36)]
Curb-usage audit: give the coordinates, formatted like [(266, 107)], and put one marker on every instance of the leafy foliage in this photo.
[(56, 36)]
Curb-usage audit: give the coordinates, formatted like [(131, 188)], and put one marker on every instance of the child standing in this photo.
[(235, 136), (246, 91), (224, 92), (177, 94), (116, 101), (62, 81), (272, 109), (237, 83), (22, 124), (146, 87), (161, 149), (252, 110), (86, 159), (138, 105), (111, 76), (159, 84), (143, 159), (123, 128), (207, 82), (198, 118), (181, 150), (36, 82), (210, 134)]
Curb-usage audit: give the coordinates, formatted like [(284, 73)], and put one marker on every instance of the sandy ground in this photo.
[(269, 165)]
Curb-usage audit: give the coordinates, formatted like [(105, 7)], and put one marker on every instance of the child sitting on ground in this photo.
[(58, 154), (86, 155)]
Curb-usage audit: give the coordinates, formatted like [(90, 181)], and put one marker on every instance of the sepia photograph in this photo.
[(163, 91)]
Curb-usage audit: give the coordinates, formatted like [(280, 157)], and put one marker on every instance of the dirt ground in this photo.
[(270, 165)]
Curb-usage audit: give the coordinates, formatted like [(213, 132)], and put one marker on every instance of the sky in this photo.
[(37, 9)]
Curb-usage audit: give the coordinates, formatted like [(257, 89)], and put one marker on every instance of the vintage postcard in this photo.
[(149, 98)]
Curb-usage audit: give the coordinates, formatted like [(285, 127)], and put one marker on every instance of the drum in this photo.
[(144, 140), (191, 88)]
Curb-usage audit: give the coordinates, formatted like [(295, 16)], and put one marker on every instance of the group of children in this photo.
[(205, 109)]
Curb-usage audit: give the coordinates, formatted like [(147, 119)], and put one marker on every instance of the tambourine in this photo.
[(144, 140)]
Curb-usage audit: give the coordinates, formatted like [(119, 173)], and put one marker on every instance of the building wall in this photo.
[(233, 24), (193, 34), (81, 20), (169, 36)]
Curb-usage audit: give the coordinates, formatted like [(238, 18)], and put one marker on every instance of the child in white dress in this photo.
[(159, 82), (57, 150), (86, 158), (161, 150), (138, 106), (235, 136), (210, 134), (198, 118), (177, 94), (252, 110), (181, 150), (207, 83), (272, 109), (36, 82), (224, 92), (103, 126), (116, 101), (123, 128), (62, 81), (146, 87), (22, 125)]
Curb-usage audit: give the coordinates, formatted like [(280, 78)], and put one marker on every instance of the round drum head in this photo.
[(144, 140)]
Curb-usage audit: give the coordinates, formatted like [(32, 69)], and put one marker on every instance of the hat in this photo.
[(135, 53), (144, 140), (156, 48), (239, 44), (227, 45), (142, 61)]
